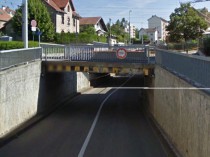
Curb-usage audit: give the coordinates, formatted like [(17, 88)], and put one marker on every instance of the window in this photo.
[(68, 8), (62, 19), (74, 22), (68, 21)]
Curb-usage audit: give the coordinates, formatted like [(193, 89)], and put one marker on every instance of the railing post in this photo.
[(45, 54), (147, 53), (70, 52)]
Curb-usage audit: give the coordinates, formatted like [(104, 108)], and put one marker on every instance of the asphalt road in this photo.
[(106, 121)]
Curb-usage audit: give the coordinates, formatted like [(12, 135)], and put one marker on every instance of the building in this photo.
[(63, 15), (96, 22), (132, 30), (6, 15), (160, 24), (205, 14), (152, 34)]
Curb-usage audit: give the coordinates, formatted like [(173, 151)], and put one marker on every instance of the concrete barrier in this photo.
[(9, 58), (19, 91), (183, 114), (26, 92)]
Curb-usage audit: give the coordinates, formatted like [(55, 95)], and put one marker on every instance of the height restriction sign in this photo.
[(121, 53)]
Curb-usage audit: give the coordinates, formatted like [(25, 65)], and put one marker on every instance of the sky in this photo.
[(140, 10)]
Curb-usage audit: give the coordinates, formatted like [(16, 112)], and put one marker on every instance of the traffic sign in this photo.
[(121, 53), (33, 23)]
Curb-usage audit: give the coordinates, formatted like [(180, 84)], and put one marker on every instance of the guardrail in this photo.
[(97, 53), (9, 58), (193, 68)]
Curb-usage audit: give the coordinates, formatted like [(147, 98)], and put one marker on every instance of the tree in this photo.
[(145, 39), (36, 11), (89, 29), (137, 33), (185, 24), (118, 29)]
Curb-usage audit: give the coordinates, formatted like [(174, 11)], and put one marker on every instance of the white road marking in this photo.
[(85, 144), (165, 88)]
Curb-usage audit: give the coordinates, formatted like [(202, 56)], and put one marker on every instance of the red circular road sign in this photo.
[(121, 53), (33, 23)]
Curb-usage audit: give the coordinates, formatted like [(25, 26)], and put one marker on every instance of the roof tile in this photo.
[(89, 20), (4, 16), (53, 5)]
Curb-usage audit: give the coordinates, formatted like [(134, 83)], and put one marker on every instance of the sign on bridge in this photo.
[(121, 53)]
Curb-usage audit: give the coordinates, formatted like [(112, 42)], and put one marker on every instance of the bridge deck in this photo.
[(97, 67), (101, 59)]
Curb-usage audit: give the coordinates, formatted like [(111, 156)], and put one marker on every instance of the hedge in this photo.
[(8, 45), (67, 38), (182, 46)]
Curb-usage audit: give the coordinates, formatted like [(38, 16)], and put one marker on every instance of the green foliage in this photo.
[(145, 39), (1, 33), (7, 45), (89, 29), (67, 38), (185, 24), (36, 11), (118, 29), (137, 33), (183, 46)]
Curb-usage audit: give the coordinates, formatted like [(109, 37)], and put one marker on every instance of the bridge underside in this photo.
[(118, 68)]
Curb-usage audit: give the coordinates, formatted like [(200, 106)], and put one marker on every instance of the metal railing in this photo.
[(193, 68), (9, 58), (53, 51), (96, 53)]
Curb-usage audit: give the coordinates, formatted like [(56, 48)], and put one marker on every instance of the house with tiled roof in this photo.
[(5, 15), (151, 33), (63, 15), (96, 22), (160, 24)]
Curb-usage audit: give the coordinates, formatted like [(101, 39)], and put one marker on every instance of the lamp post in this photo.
[(110, 38), (129, 27), (25, 23)]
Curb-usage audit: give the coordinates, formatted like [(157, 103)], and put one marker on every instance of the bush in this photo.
[(8, 45), (175, 46), (67, 38), (182, 46)]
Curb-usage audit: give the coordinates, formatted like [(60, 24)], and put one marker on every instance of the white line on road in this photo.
[(85, 144), (165, 88)]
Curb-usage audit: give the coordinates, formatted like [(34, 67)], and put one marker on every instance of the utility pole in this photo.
[(129, 27), (25, 23), (110, 38)]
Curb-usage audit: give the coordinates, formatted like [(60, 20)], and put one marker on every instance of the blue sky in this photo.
[(115, 9)]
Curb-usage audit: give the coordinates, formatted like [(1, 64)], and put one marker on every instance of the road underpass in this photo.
[(107, 120)]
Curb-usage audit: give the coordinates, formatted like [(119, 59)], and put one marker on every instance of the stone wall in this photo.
[(183, 114)]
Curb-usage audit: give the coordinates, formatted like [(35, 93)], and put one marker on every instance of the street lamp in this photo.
[(129, 27), (25, 23), (110, 38)]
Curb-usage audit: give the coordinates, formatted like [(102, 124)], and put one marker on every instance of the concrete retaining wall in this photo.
[(183, 114), (19, 91), (24, 93)]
